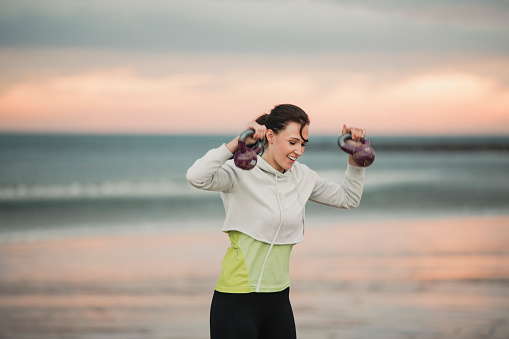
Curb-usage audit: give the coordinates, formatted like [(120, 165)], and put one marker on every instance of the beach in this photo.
[(102, 237), (419, 278)]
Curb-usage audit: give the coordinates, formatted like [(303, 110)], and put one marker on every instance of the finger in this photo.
[(260, 132), (352, 132), (359, 134), (345, 129), (356, 134)]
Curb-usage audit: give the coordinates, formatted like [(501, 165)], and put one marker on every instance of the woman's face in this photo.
[(285, 147)]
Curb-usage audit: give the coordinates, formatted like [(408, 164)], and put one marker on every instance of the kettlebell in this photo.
[(246, 157), (363, 155)]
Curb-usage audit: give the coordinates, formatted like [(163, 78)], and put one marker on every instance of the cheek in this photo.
[(282, 150), (284, 153)]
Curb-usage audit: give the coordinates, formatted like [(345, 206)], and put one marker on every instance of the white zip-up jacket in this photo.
[(266, 204)]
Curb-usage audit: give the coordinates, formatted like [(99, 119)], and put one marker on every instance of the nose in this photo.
[(298, 151)]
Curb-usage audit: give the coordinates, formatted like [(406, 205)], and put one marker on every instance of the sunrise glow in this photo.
[(150, 79)]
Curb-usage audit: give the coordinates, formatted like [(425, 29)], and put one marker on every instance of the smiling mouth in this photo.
[(291, 158)]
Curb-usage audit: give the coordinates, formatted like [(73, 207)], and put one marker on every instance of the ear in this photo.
[(269, 134)]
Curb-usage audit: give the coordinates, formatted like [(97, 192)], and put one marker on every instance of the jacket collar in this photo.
[(266, 167)]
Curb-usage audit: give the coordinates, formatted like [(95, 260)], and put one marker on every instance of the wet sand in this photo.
[(434, 278)]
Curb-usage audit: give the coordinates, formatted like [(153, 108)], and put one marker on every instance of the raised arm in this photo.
[(208, 172), (347, 194)]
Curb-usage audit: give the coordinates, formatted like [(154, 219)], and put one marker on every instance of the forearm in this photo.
[(353, 186), (233, 145)]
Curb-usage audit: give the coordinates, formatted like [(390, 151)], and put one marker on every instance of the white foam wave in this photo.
[(77, 190), (387, 178)]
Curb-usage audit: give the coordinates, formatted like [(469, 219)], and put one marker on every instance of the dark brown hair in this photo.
[(281, 115)]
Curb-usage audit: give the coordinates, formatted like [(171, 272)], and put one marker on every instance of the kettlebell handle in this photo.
[(348, 136), (257, 148), (343, 138), (363, 155)]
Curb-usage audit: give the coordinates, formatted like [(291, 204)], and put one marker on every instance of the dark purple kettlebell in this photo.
[(363, 155), (246, 157)]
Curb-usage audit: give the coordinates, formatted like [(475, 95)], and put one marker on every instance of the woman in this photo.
[(264, 219)]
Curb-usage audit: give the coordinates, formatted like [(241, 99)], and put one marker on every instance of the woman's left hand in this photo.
[(357, 133)]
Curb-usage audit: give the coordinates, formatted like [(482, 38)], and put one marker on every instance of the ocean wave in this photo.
[(388, 178), (102, 190), (422, 144)]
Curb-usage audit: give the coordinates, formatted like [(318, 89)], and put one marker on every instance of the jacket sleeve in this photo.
[(208, 172), (345, 195)]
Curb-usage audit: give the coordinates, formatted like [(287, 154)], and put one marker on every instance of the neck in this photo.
[(267, 158)]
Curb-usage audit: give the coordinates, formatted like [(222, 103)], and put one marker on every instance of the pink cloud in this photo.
[(204, 102)]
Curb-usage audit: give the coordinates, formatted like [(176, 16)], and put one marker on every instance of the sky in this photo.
[(208, 67)]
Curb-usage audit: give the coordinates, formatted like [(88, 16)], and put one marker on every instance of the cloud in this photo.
[(473, 13), (278, 27), (120, 101), (139, 66)]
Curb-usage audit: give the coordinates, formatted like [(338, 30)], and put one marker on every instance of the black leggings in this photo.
[(252, 316)]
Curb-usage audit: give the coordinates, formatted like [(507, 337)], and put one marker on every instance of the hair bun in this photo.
[(262, 119)]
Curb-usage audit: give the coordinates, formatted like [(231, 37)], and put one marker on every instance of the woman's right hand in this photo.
[(259, 134)]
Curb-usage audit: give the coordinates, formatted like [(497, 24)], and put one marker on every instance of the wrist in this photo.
[(233, 145), (351, 162)]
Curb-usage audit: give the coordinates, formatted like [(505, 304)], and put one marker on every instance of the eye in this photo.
[(292, 143)]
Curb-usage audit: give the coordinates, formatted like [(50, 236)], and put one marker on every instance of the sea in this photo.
[(54, 186)]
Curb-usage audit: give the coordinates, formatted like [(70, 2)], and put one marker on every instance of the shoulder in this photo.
[(300, 167), (239, 173), (303, 172)]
